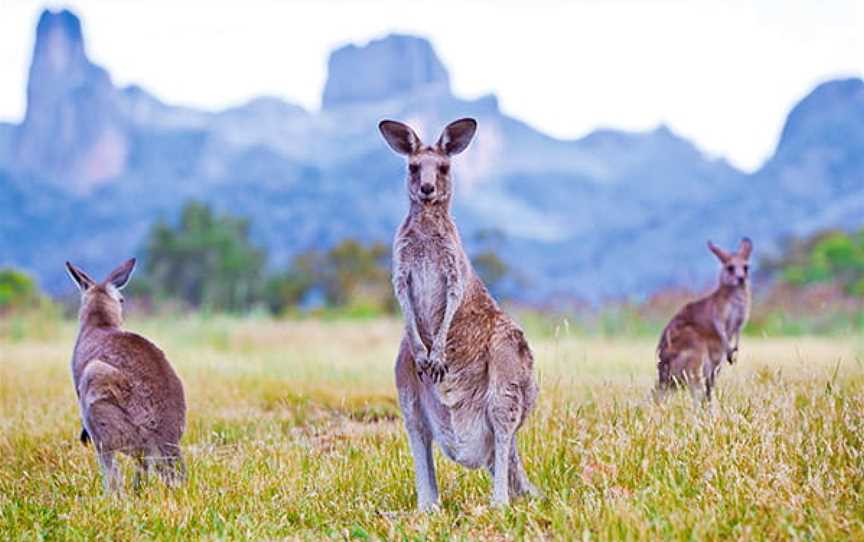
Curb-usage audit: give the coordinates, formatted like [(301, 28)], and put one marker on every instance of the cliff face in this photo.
[(821, 150), (72, 133), (394, 67)]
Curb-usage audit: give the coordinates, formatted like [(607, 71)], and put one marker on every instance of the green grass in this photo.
[(294, 432)]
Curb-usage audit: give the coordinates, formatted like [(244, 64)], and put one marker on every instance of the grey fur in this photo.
[(130, 398), (464, 373)]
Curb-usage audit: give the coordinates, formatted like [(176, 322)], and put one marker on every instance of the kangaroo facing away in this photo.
[(131, 399), (705, 332), (464, 372)]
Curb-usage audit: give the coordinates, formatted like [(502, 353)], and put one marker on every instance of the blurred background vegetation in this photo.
[(207, 263), (204, 262)]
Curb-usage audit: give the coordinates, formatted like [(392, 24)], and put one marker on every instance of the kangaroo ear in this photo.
[(721, 254), (457, 135), (120, 276), (745, 248), (81, 279), (400, 137)]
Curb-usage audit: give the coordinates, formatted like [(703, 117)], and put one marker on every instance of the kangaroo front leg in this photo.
[(401, 286), (455, 290)]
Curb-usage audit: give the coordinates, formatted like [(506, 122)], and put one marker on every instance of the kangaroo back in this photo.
[(154, 400), (131, 399)]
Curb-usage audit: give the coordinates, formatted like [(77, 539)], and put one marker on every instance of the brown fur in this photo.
[(697, 339), (130, 398), (464, 371)]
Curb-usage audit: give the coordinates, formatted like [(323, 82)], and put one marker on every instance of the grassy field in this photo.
[(294, 432)]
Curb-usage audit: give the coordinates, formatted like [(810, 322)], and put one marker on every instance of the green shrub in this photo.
[(208, 261), (17, 290)]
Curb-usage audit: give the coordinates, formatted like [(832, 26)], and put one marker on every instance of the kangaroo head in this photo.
[(736, 266), (102, 302), (429, 180)]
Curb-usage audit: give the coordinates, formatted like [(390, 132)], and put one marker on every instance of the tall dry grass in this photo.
[(294, 433)]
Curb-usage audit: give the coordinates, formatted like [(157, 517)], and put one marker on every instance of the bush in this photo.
[(351, 277), (207, 260), (25, 311), (17, 290), (826, 257)]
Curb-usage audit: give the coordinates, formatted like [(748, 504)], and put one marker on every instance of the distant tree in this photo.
[(17, 290), (350, 274), (291, 287), (351, 270), (488, 265), (207, 260), (830, 256)]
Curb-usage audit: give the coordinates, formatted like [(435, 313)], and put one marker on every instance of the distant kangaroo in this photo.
[(131, 399), (464, 372), (705, 332)]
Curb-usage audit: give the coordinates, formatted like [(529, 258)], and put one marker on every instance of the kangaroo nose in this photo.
[(427, 189)]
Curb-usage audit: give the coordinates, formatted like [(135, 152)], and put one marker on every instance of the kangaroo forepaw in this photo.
[(437, 367), (732, 355), (435, 373), (426, 365), (421, 358)]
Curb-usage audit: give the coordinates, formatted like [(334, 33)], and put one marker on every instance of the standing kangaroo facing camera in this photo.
[(131, 399), (705, 332), (464, 372)]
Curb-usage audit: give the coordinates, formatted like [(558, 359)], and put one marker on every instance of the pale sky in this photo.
[(723, 73)]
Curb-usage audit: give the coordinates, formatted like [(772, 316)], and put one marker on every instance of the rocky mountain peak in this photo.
[(394, 66), (830, 114), (72, 133), (59, 44)]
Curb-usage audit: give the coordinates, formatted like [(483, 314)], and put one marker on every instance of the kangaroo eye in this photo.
[(730, 268), (413, 168), (746, 268), (444, 169)]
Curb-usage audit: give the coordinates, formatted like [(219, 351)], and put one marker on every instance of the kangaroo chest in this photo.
[(737, 312), (428, 288), (736, 317)]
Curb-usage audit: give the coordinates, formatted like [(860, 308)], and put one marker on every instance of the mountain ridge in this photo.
[(610, 214)]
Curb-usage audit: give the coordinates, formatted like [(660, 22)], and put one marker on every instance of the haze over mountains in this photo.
[(615, 213)]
